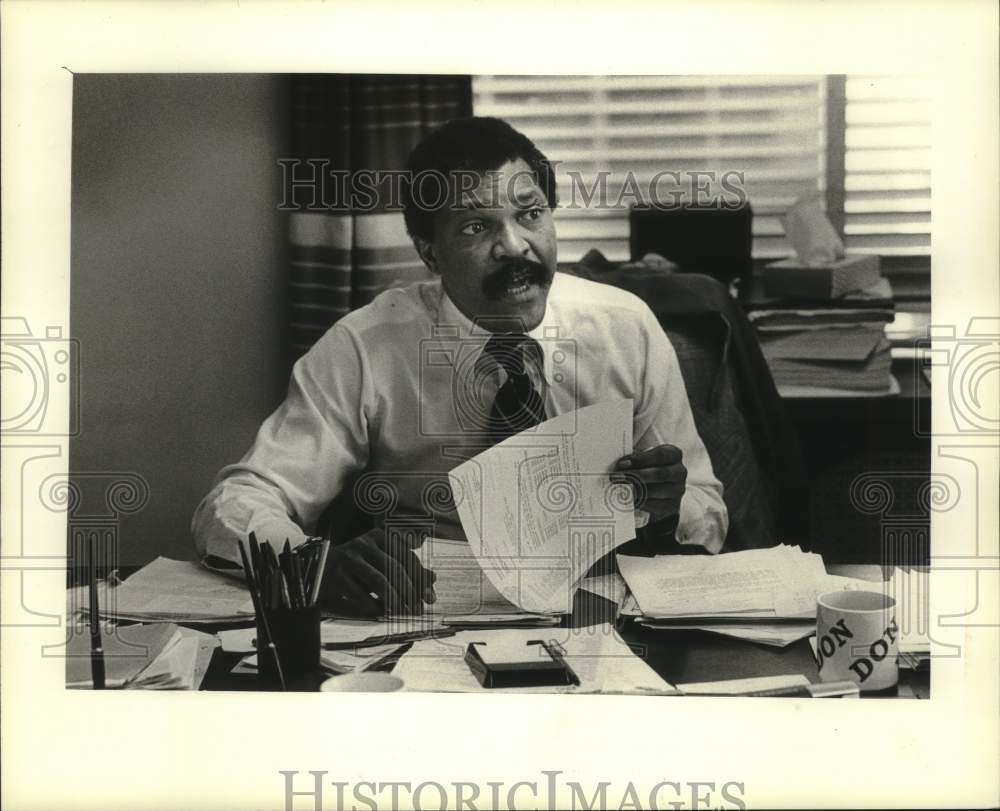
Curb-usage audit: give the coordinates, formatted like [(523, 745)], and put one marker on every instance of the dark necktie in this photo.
[(518, 405)]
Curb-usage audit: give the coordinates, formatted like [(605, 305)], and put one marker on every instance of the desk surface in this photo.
[(677, 656)]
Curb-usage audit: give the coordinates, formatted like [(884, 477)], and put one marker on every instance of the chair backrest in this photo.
[(714, 241), (736, 407), (749, 490)]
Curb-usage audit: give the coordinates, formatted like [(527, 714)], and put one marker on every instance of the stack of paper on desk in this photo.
[(539, 509), (177, 591), (761, 595), (465, 594), (911, 590)]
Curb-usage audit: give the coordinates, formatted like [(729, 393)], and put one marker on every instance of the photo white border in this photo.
[(140, 750)]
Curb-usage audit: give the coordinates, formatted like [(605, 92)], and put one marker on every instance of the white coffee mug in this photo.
[(856, 639)]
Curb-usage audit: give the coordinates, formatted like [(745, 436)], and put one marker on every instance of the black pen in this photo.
[(96, 645), (261, 613)]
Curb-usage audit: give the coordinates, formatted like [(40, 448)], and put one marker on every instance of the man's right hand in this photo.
[(371, 576)]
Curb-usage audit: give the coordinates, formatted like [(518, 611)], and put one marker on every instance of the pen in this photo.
[(300, 596), (259, 608), (96, 645), (320, 569)]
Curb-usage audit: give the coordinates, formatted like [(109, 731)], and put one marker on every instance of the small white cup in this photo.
[(856, 639), (362, 682)]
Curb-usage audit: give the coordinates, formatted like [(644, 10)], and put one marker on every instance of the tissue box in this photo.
[(789, 278)]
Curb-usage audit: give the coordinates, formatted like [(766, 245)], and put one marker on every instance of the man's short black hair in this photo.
[(478, 144)]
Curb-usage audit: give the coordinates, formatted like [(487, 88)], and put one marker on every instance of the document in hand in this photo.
[(539, 509)]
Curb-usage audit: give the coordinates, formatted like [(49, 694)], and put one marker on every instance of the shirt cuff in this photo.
[(698, 525)]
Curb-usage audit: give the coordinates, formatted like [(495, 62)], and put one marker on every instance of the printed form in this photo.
[(539, 509)]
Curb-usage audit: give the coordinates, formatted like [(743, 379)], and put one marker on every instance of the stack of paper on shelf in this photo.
[(760, 595), (843, 349), (176, 591)]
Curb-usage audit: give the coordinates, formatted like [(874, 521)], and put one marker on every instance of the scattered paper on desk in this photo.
[(128, 650), (735, 687), (178, 591), (775, 634), (181, 665), (539, 509), (629, 607), (173, 669), (238, 640), (600, 659), (609, 586), (347, 660), (345, 633), (337, 661)]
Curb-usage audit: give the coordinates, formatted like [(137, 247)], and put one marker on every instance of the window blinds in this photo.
[(887, 181), (768, 128)]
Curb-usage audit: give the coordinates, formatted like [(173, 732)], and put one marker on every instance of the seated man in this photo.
[(374, 396)]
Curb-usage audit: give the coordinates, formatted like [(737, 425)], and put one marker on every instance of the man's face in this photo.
[(496, 253)]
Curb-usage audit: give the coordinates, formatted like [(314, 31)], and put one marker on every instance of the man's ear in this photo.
[(425, 250)]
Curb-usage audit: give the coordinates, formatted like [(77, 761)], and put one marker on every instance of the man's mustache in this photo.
[(496, 284)]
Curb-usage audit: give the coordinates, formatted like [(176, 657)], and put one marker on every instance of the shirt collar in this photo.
[(546, 333)]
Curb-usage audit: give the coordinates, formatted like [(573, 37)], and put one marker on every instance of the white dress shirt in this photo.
[(399, 391)]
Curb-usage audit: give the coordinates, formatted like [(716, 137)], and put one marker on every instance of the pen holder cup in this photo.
[(296, 637)]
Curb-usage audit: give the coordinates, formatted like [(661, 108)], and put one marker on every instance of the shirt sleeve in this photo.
[(664, 416), (301, 457)]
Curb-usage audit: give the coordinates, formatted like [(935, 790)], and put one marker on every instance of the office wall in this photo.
[(177, 287)]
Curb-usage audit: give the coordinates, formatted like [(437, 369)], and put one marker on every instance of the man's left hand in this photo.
[(658, 477)]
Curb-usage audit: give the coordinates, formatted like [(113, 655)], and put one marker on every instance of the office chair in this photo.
[(716, 242), (753, 446)]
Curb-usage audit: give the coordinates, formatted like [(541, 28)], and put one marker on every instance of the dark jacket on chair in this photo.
[(737, 409)]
